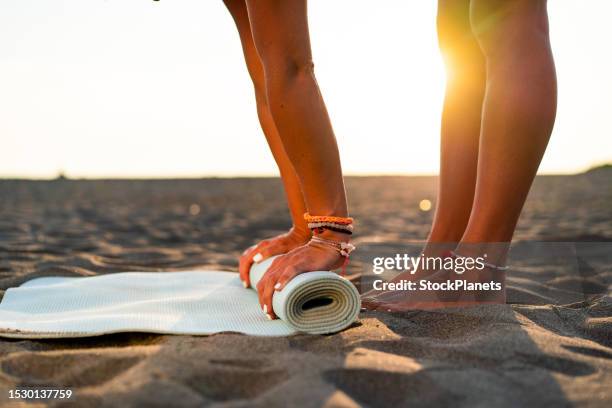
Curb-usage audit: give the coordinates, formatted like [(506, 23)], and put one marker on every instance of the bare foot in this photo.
[(306, 258), (440, 289)]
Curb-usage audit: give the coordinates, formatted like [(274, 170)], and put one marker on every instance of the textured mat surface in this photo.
[(192, 302)]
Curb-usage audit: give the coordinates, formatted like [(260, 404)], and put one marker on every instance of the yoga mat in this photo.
[(191, 302)]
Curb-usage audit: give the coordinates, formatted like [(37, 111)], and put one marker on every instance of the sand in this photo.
[(551, 346)]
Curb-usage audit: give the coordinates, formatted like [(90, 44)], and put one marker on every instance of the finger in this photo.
[(260, 289), (244, 267), (247, 260), (266, 252), (246, 251), (277, 263), (258, 249), (285, 276), (261, 285), (265, 290), (267, 293), (273, 270)]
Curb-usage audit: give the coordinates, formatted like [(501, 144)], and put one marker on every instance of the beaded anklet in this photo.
[(345, 249), (319, 223), (328, 218), (488, 265), (320, 226)]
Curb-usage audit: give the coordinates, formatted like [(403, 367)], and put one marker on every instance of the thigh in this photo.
[(504, 23), (453, 22), (487, 14), (454, 13)]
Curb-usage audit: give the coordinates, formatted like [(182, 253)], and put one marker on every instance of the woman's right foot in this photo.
[(432, 290)]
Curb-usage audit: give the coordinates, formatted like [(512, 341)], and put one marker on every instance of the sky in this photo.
[(136, 88)]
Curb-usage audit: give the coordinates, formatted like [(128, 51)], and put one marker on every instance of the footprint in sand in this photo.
[(588, 351), (371, 387), (218, 380), (66, 369), (556, 364)]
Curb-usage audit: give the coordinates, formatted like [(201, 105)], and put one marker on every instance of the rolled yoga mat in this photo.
[(192, 302)]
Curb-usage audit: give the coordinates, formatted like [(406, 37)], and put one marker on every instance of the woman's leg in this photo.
[(518, 117), (300, 233), (460, 130), (280, 33)]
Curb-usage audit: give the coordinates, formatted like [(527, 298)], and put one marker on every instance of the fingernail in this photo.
[(268, 316), (257, 258), (277, 286), (245, 284), (265, 309)]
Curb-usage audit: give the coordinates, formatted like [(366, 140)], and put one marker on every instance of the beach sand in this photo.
[(552, 346)]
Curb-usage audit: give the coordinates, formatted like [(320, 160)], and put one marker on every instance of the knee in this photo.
[(508, 26), (283, 68)]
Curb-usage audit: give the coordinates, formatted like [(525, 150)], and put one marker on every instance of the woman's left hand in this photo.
[(306, 258)]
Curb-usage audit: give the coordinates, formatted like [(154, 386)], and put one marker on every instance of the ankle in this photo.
[(494, 253), (334, 236), (300, 232)]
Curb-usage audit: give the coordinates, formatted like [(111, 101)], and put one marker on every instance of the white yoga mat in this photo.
[(192, 302)]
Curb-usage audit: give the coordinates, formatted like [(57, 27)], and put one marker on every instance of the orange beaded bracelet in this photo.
[(328, 218)]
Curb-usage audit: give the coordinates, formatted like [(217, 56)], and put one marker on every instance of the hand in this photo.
[(307, 258), (280, 244)]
